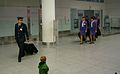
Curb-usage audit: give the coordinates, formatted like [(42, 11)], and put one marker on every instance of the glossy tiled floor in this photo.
[(67, 57)]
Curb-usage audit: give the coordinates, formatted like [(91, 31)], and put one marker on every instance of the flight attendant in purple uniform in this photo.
[(93, 30), (83, 29)]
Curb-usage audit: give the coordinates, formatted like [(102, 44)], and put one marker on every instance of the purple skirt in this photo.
[(92, 31), (83, 31)]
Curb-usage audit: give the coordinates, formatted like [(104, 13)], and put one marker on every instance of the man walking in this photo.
[(21, 34)]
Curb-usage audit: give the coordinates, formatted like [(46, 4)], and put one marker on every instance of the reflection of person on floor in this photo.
[(20, 32), (43, 68), (93, 30), (83, 29)]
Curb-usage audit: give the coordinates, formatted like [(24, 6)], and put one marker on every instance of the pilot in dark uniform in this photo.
[(21, 34)]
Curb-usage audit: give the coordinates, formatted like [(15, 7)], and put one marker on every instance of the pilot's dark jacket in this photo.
[(21, 34)]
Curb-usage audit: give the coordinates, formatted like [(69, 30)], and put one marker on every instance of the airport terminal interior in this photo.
[(53, 27)]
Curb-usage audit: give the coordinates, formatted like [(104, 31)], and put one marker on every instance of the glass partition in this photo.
[(111, 25), (115, 25)]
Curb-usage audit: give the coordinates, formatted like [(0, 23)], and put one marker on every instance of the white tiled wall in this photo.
[(8, 18), (11, 9), (113, 11), (113, 8), (19, 3)]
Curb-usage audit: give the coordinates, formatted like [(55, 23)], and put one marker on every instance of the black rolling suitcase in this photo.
[(29, 48)]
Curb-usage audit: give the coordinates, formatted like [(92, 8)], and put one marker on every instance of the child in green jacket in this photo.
[(43, 68)]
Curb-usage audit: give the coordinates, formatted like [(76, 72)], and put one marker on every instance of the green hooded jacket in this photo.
[(43, 68)]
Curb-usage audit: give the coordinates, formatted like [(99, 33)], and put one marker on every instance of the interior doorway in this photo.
[(88, 13)]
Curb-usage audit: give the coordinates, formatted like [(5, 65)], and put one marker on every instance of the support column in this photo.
[(48, 17)]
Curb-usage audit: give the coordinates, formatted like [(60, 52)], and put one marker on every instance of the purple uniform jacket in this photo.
[(84, 26), (93, 25)]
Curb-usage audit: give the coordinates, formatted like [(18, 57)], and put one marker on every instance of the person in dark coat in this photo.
[(88, 28), (98, 27), (20, 35)]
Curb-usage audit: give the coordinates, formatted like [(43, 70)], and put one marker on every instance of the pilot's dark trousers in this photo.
[(21, 49)]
